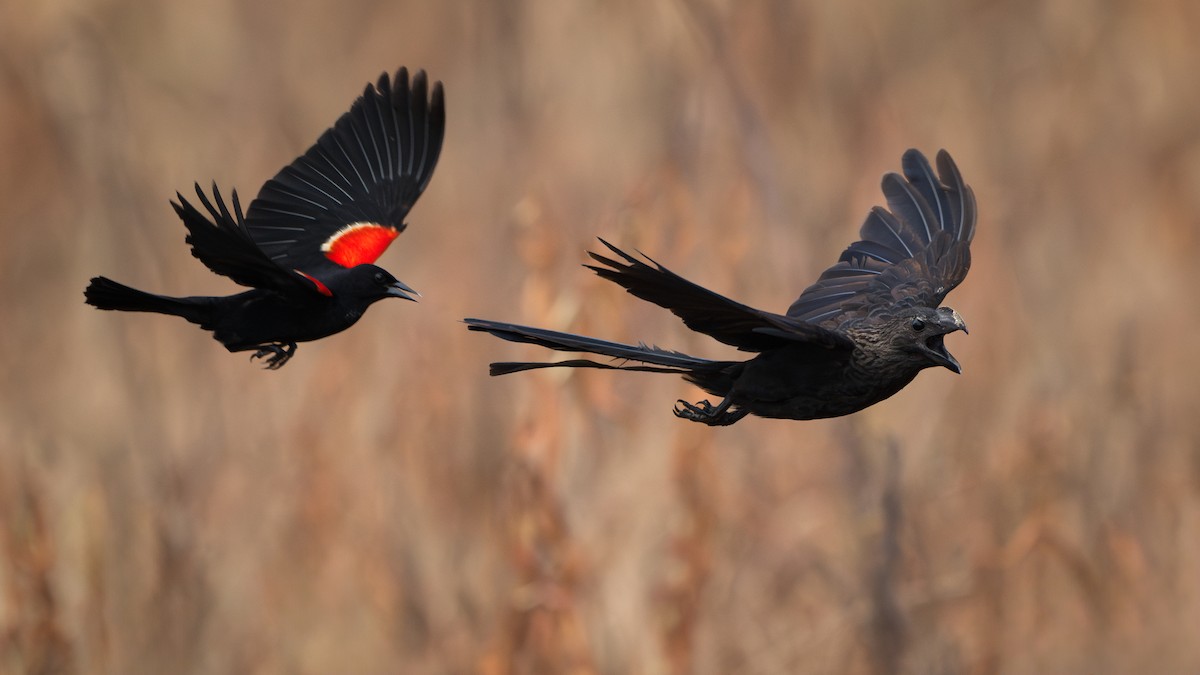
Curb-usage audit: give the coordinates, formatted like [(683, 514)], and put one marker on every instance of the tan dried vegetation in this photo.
[(380, 505)]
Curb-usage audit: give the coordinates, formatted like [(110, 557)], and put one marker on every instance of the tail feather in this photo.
[(104, 293), (506, 367), (712, 376), (658, 360)]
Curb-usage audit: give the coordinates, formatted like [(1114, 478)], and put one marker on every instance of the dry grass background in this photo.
[(380, 505)]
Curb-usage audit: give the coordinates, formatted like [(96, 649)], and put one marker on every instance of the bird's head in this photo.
[(371, 283), (920, 333)]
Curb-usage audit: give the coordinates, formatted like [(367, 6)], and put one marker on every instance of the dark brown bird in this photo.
[(859, 334)]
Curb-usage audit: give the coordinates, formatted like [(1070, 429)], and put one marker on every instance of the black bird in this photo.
[(858, 335), (306, 244)]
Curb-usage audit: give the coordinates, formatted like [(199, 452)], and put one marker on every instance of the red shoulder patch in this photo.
[(359, 243), (321, 288)]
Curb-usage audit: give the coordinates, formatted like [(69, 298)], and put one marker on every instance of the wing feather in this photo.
[(705, 311), (221, 241), (914, 252), (369, 167)]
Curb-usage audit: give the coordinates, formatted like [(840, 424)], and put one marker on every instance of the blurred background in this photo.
[(381, 506)]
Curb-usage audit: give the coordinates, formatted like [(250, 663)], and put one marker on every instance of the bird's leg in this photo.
[(705, 413), (276, 353)]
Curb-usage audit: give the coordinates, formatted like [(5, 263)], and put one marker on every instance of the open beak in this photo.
[(402, 290), (934, 346)]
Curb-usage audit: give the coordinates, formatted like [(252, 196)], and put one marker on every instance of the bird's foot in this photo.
[(692, 411), (276, 354), (706, 413)]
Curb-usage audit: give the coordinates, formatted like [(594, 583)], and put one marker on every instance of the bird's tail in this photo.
[(104, 293), (714, 376)]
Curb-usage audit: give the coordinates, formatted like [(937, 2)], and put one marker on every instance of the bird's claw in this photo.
[(693, 411), (276, 354), (706, 413), (696, 412)]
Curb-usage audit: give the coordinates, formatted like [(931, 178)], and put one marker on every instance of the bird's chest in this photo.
[(879, 377), (350, 314)]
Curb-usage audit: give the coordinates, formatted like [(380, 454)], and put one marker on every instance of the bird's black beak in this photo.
[(934, 346), (402, 290)]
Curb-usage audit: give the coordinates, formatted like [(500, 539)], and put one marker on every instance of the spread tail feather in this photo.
[(104, 293)]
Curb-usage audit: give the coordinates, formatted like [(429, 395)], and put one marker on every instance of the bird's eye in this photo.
[(918, 325), (379, 277)]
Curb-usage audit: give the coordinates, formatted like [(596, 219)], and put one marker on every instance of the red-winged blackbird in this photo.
[(306, 244), (858, 335)]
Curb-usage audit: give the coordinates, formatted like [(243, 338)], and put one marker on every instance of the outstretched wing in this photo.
[(221, 242), (913, 254), (707, 312), (344, 200)]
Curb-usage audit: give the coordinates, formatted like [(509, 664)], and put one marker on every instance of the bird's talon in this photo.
[(695, 412), (276, 355), (686, 410)]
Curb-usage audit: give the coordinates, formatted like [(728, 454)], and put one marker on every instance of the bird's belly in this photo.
[(805, 391), (818, 404), (263, 319)]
